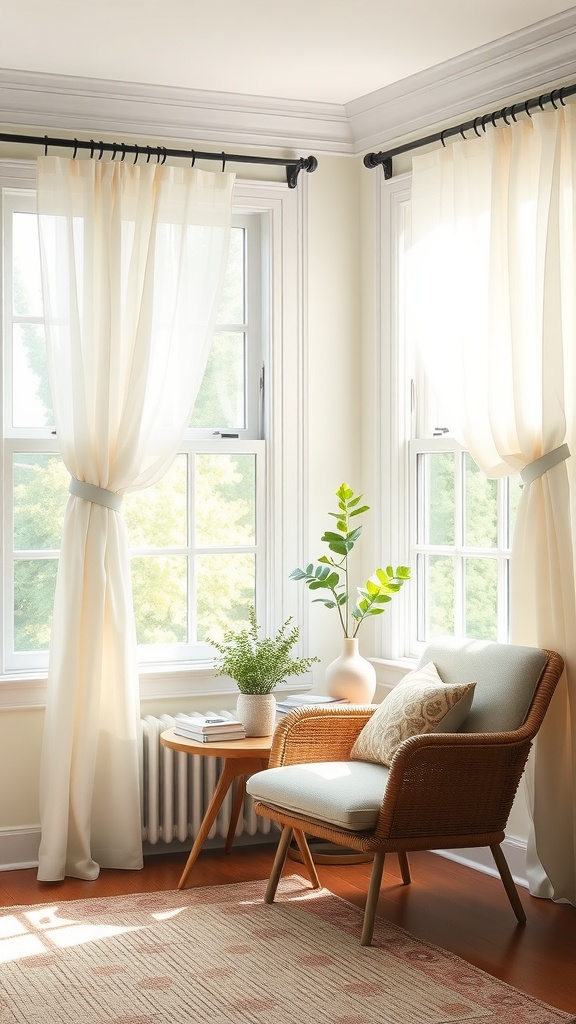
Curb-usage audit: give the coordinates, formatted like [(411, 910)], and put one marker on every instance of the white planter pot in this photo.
[(257, 712), (351, 676)]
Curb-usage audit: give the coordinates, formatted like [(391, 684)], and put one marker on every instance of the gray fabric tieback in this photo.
[(540, 466), (99, 495)]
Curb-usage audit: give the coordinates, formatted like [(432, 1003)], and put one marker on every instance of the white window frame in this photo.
[(282, 423), (394, 396)]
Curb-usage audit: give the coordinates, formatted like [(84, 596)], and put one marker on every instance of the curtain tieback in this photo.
[(99, 495), (540, 466)]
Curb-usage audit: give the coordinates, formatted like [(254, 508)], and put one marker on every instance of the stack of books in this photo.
[(306, 700), (209, 727)]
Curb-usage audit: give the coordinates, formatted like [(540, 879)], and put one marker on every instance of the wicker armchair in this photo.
[(441, 791)]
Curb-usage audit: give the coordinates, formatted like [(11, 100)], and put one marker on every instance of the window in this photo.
[(447, 519), (198, 536)]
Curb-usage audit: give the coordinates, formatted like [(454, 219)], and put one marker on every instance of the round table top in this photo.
[(252, 746)]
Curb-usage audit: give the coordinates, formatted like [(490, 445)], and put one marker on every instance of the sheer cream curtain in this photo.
[(493, 308), (133, 259)]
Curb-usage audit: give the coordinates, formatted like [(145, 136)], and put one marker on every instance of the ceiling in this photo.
[(331, 51)]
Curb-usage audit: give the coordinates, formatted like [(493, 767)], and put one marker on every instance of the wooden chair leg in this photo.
[(372, 899), (307, 858), (508, 882), (404, 867), (279, 861)]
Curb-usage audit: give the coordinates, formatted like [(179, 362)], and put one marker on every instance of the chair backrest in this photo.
[(506, 678)]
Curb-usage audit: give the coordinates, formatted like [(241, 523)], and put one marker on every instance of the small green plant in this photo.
[(332, 571), (259, 665)]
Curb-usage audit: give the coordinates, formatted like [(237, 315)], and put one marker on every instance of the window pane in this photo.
[(34, 585), (225, 500), (27, 284), (231, 308), (40, 495), (160, 589), (224, 591), (220, 402), (31, 401), (481, 505), (438, 481), (436, 586), (481, 582), (157, 516)]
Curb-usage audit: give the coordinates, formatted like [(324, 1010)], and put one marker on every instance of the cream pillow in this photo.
[(421, 703)]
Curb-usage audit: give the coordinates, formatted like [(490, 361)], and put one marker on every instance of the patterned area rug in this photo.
[(221, 956)]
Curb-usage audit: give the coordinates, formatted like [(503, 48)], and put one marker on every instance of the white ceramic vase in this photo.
[(257, 712), (351, 676)]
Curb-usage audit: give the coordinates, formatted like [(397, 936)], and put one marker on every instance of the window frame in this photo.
[(395, 395), (280, 403)]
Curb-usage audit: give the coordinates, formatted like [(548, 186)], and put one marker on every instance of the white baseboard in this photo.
[(481, 859), (19, 849)]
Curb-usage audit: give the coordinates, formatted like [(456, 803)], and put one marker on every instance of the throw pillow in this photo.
[(421, 703)]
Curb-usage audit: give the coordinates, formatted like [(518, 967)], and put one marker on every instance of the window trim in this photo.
[(284, 425)]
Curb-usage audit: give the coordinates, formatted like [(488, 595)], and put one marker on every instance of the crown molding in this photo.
[(516, 66), (86, 105)]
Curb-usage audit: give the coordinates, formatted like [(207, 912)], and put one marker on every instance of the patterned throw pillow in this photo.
[(421, 703)]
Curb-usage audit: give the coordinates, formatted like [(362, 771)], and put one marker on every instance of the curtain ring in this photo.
[(223, 161), (101, 150), (484, 119), (75, 149), (92, 146), (164, 155), (493, 117), (123, 157), (193, 159), (137, 154), (442, 137), (561, 96), (476, 132), (45, 145), (114, 151), (462, 132), (527, 108), (502, 114), (513, 113), (149, 154), (540, 103)]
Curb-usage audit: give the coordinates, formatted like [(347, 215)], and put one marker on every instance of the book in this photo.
[(307, 700), (208, 723), (210, 737)]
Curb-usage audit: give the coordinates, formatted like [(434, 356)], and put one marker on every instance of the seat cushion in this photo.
[(506, 677), (347, 794), (421, 703)]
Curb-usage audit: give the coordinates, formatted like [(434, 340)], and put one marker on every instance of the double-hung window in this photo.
[(450, 522), (198, 536)]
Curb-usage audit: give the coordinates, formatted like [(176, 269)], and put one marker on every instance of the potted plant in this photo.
[(257, 666), (350, 676)]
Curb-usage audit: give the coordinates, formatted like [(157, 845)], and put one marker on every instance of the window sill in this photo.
[(20, 691)]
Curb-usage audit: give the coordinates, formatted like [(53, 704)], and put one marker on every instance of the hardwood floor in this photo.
[(452, 906)]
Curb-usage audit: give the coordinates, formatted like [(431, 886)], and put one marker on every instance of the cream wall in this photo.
[(331, 410)]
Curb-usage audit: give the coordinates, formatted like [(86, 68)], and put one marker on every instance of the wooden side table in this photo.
[(241, 759)]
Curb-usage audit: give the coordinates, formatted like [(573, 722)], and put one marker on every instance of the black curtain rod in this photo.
[(293, 167), (476, 124)]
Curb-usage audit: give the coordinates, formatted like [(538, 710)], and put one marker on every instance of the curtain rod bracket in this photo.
[(372, 160), (308, 164)]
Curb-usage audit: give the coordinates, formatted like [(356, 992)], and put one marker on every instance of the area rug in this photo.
[(220, 955)]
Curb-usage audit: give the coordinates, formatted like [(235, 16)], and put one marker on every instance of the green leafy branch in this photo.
[(332, 571), (258, 665)]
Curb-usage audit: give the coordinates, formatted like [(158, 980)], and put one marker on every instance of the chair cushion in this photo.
[(506, 678), (421, 703), (347, 794)]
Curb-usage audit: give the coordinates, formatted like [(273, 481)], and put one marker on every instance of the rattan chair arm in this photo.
[(318, 734), (453, 783)]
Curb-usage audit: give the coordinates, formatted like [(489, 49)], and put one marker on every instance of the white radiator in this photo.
[(177, 788)]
